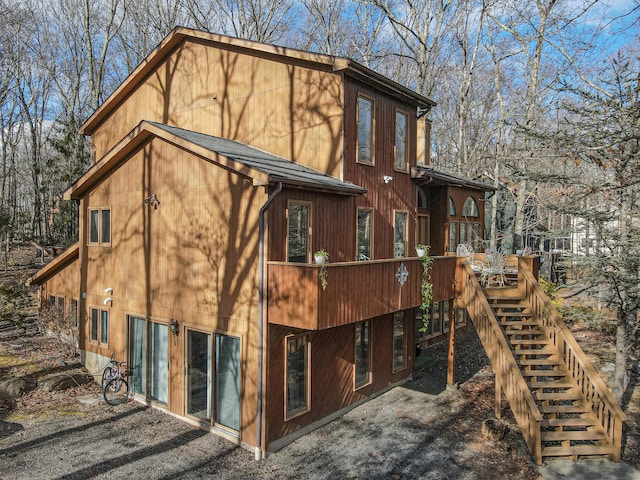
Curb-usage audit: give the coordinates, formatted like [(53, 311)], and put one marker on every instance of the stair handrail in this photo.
[(604, 405), (503, 362)]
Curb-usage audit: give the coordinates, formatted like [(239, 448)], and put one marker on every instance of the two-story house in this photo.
[(220, 166)]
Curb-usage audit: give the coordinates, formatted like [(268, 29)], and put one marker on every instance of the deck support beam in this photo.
[(451, 360)]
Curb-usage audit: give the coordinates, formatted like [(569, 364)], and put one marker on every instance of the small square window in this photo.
[(99, 326)]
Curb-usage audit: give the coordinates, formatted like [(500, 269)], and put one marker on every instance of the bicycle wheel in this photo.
[(107, 373), (116, 391)]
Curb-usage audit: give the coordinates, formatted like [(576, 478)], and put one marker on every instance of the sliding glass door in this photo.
[(149, 358), (213, 378)]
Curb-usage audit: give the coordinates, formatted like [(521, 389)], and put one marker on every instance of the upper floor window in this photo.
[(365, 131), (470, 208), (365, 227), (400, 236), (298, 232), (401, 141), (100, 226)]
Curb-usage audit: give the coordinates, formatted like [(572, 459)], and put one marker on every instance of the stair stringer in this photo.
[(509, 378)]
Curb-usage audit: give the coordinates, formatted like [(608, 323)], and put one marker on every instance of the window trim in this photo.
[(99, 334), (309, 205), (399, 316), (373, 132), (369, 379), (100, 233), (289, 415), (371, 231), (406, 142)]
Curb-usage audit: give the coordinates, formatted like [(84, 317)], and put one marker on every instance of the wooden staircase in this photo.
[(560, 403)]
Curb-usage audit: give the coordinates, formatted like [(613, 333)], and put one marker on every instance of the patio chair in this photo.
[(494, 272)]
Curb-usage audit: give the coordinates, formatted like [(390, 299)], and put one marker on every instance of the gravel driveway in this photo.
[(419, 430)]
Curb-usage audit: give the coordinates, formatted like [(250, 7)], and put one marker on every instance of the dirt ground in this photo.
[(419, 430)]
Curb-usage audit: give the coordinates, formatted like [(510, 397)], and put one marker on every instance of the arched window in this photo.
[(422, 199), (452, 207), (470, 208)]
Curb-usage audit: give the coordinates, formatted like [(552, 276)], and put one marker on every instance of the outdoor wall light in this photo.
[(108, 300), (173, 326), (387, 178), (108, 291), (152, 200)]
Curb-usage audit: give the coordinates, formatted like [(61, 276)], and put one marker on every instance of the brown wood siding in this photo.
[(193, 259), (287, 109), (332, 370), (333, 225), (356, 291), (400, 193)]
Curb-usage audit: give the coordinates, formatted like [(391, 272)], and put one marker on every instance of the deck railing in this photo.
[(596, 393), (508, 375)]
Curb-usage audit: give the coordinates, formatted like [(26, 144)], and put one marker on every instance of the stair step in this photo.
[(563, 409), (530, 341), (510, 305), (559, 396), (512, 314), (540, 361), (577, 435), (523, 331), (576, 450), (535, 351), (568, 422), (544, 373), (552, 384), (515, 323)]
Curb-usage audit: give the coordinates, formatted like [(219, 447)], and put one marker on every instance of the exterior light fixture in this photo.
[(174, 327), (108, 300), (108, 291), (387, 178), (152, 200)]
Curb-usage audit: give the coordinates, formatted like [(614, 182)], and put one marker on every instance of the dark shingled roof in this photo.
[(277, 168), (434, 177)]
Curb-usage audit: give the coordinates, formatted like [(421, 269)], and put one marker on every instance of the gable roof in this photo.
[(179, 35), (262, 167), (431, 176), (66, 258)]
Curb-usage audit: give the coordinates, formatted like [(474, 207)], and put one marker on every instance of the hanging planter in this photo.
[(321, 257), (421, 250)]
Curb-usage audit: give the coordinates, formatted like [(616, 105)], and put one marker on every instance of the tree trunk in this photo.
[(620, 375)]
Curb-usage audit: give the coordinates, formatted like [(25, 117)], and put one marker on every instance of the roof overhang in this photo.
[(63, 260), (263, 168), (424, 175)]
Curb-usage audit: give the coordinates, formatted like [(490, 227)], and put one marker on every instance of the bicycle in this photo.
[(115, 388)]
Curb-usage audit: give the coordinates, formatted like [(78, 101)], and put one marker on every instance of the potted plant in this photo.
[(421, 250), (321, 256)]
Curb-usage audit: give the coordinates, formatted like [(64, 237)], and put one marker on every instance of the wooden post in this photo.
[(452, 347), (498, 399)]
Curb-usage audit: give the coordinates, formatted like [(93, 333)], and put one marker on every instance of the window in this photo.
[(99, 226), (99, 326), (73, 312), (400, 237), (399, 342), (365, 227), (401, 141), (298, 236), (365, 131), (363, 354), (297, 375), (60, 307), (452, 207), (470, 208), (453, 236), (470, 234)]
